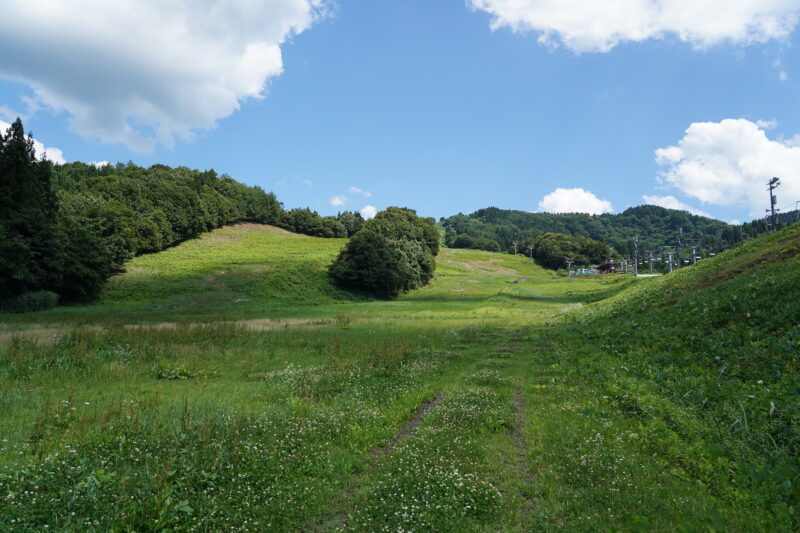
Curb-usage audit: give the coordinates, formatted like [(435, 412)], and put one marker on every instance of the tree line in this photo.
[(658, 228), (64, 229)]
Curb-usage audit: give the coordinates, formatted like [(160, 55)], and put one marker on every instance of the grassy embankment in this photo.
[(458, 407)]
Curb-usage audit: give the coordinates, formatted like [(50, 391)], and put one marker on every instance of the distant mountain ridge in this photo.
[(658, 229)]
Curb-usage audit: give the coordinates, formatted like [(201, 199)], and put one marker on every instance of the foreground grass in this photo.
[(473, 405)]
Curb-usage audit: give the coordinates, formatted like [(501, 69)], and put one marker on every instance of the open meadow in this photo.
[(226, 384)]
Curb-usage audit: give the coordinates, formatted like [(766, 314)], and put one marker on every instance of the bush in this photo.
[(30, 302), (391, 254)]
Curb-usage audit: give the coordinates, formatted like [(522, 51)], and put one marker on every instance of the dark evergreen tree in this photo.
[(32, 250)]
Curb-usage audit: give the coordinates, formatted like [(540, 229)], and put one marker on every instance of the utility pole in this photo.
[(694, 255), (773, 199), (670, 262), (569, 265), (680, 255), (515, 247), (796, 212), (650, 256), (531, 249), (636, 255)]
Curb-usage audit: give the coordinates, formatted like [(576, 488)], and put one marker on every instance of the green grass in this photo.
[(558, 404), (247, 272)]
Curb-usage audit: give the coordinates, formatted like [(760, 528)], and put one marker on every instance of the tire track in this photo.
[(408, 429)]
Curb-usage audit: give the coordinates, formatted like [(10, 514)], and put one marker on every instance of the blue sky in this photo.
[(441, 106)]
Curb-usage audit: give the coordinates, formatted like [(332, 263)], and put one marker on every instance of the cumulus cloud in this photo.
[(600, 25), (368, 212), (53, 154), (146, 71), (362, 192), (574, 201), (338, 200), (728, 163), (670, 202)]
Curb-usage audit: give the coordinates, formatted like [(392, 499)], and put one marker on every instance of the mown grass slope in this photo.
[(499, 398), (250, 271)]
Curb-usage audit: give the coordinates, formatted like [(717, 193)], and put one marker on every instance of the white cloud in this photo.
[(728, 163), (53, 154), (574, 201), (767, 124), (368, 212), (600, 25), (783, 76), (362, 192), (338, 200), (148, 71), (670, 202), (99, 164)]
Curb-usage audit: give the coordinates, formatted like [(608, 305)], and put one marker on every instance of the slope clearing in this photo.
[(497, 399), (254, 272)]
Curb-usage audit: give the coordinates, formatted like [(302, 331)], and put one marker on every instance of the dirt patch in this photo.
[(408, 428), (489, 266)]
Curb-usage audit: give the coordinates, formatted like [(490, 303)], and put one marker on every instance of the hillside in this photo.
[(65, 229), (705, 364), (657, 228), (500, 397), (251, 271), (239, 264)]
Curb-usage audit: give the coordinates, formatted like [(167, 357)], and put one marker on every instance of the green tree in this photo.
[(391, 254), (32, 257)]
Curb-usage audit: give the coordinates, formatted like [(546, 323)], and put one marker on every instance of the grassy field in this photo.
[(225, 384)]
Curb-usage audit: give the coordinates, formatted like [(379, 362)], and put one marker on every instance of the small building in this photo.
[(608, 266)]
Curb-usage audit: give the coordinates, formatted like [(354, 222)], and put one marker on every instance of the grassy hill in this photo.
[(243, 263), (497, 398), (702, 366), (250, 271)]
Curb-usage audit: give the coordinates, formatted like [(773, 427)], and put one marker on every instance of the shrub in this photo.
[(391, 254), (30, 302)]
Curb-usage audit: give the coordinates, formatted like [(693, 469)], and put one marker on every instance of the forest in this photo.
[(658, 228), (64, 229)]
